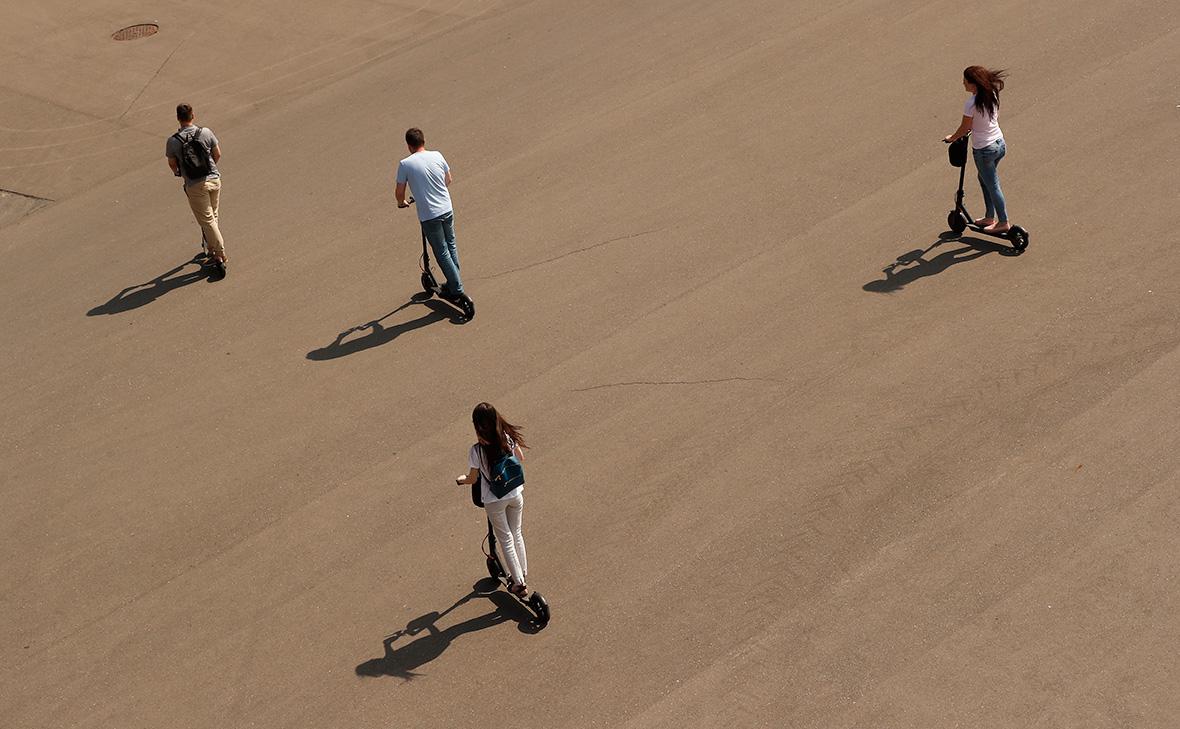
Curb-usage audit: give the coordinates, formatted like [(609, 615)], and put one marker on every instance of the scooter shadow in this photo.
[(139, 295), (401, 662), (380, 334), (913, 265)]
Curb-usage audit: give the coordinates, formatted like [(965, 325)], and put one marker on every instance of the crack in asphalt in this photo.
[(679, 382), (566, 255), (154, 76), (26, 195)]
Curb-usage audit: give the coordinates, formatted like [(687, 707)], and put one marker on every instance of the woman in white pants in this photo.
[(496, 437)]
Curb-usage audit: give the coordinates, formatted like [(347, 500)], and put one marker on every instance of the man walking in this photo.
[(428, 175), (193, 153)]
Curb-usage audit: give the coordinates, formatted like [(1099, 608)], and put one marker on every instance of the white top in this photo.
[(985, 128), (426, 173), (475, 460)]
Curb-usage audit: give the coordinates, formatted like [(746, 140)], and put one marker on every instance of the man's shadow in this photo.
[(911, 266), (136, 296), (401, 662), (380, 334)]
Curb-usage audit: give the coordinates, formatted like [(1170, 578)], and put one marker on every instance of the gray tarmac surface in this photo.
[(798, 461)]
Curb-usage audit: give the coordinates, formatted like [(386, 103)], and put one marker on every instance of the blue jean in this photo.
[(986, 160), (440, 233)]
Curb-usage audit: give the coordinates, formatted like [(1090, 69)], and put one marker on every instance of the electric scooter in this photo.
[(959, 219), (208, 259), (431, 286), (534, 602)]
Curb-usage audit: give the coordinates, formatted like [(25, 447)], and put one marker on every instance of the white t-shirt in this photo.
[(426, 173), (985, 128), (475, 459)]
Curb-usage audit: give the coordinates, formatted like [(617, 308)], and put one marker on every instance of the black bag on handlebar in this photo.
[(958, 151)]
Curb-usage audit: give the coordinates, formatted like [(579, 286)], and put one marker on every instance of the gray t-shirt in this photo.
[(426, 173), (172, 149)]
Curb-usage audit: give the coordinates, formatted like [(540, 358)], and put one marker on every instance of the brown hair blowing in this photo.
[(988, 84), (492, 428)]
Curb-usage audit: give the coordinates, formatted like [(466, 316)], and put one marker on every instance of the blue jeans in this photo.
[(440, 233), (986, 160)]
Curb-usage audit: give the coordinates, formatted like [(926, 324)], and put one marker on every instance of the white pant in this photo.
[(505, 517)]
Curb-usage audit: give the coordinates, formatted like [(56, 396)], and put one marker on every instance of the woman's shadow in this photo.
[(911, 266), (401, 662), (380, 334), (136, 296)]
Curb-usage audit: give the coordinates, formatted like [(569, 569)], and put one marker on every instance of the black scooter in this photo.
[(534, 602), (959, 219), (431, 286), (207, 258)]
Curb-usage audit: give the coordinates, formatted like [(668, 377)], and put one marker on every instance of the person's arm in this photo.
[(400, 193), (468, 478), (964, 127), (172, 157), (216, 153), (447, 179)]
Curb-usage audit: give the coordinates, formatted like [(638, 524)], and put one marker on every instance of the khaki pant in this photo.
[(202, 198)]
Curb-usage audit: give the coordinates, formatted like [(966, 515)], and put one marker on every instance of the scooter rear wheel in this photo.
[(1019, 237), (956, 222), (540, 608)]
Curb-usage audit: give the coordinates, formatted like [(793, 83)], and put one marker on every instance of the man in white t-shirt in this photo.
[(428, 175)]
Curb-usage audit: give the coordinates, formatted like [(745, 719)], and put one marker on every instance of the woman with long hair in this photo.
[(981, 115), (496, 437)]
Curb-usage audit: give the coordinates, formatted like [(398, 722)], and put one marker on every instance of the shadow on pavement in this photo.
[(911, 266), (380, 334), (138, 295), (402, 662)]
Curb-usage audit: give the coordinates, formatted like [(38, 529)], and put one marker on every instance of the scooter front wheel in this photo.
[(494, 570), (956, 222), (1019, 237)]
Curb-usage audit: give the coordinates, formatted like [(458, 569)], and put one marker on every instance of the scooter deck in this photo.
[(960, 220), (454, 301), (430, 286), (534, 602)]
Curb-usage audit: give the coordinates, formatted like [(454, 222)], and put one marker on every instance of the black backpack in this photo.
[(194, 156)]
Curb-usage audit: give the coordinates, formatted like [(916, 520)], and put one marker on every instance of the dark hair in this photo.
[(491, 427), (415, 138), (184, 113), (988, 84)]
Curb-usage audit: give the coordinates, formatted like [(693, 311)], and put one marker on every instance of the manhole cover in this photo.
[(135, 32)]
